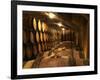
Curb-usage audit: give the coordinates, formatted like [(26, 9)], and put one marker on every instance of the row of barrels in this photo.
[(41, 25), (38, 39), (68, 36), (34, 37), (34, 24), (39, 32), (32, 51)]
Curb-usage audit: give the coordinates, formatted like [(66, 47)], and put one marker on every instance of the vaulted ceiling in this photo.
[(69, 20)]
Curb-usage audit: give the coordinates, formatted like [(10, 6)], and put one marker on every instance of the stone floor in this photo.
[(59, 57)]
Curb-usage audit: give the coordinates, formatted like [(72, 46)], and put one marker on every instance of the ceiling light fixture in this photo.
[(63, 29), (51, 15), (60, 24)]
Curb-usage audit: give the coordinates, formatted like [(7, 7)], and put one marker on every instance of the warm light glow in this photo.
[(51, 15), (60, 24), (63, 29)]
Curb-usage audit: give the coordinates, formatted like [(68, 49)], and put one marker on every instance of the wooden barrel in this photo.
[(41, 36), (32, 38), (44, 36), (29, 52), (39, 25), (34, 24), (42, 46), (49, 45), (26, 36), (35, 51), (37, 37), (44, 27), (39, 48), (45, 46)]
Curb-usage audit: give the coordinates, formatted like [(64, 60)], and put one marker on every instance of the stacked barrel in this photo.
[(38, 37), (68, 35), (35, 38)]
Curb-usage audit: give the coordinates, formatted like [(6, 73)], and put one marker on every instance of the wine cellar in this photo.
[(55, 39)]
